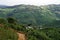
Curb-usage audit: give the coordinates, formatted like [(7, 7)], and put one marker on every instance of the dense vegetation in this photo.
[(35, 15), (44, 34), (6, 32), (38, 23), (9, 29)]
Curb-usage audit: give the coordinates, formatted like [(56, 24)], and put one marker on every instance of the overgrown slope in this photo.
[(6, 33), (9, 28)]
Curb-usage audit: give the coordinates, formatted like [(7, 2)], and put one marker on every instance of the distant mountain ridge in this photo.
[(30, 14), (14, 6), (3, 6)]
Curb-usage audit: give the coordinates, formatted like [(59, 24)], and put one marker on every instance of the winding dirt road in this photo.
[(21, 36)]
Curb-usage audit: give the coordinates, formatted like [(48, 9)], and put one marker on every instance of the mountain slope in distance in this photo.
[(29, 14)]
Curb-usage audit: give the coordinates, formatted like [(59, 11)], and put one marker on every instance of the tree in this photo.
[(11, 20)]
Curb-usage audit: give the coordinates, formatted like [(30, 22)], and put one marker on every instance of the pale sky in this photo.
[(29, 2)]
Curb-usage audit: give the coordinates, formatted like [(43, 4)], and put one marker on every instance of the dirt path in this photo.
[(21, 36)]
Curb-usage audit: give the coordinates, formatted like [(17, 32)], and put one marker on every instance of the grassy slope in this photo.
[(7, 33)]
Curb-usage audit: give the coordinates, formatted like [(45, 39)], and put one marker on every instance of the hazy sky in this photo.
[(30, 2)]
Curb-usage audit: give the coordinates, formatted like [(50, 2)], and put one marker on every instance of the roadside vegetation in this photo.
[(9, 27)]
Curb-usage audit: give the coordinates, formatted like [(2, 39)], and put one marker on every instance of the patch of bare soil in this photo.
[(21, 36)]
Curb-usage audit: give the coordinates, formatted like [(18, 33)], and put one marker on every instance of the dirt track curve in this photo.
[(21, 36)]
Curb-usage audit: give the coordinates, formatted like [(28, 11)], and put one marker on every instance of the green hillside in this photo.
[(35, 15), (36, 22), (6, 32), (9, 29)]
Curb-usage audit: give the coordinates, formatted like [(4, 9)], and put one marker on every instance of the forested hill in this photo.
[(35, 15)]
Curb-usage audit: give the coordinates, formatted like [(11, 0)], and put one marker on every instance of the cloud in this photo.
[(30, 2)]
